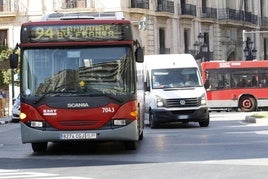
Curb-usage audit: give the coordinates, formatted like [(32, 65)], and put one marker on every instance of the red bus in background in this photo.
[(236, 84), (79, 80)]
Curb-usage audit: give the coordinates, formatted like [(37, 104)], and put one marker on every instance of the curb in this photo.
[(250, 119), (3, 122)]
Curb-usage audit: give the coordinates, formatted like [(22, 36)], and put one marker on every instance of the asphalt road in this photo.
[(228, 148)]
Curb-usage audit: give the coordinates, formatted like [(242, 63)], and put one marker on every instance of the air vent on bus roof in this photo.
[(83, 15)]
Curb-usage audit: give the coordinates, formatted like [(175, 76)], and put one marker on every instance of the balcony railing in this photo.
[(143, 4), (9, 6), (264, 21), (188, 9), (232, 14), (208, 12), (166, 6), (251, 18)]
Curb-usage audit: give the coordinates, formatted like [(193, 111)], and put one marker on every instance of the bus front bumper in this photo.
[(126, 133)]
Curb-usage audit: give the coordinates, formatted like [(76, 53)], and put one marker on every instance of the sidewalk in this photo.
[(5, 120), (258, 117)]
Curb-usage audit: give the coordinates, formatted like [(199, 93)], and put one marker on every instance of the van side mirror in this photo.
[(146, 87), (14, 60), (139, 55)]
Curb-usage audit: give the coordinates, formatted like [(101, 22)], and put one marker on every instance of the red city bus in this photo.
[(236, 84), (79, 81)]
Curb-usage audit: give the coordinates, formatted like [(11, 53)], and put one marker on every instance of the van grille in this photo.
[(182, 102)]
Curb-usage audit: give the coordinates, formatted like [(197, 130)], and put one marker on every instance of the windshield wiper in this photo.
[(106, 95), (45, 94)]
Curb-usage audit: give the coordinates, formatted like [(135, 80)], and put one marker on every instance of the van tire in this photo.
[(152, 122), (204, 123)]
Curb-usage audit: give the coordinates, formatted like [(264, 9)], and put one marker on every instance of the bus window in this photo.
[(263, 78)]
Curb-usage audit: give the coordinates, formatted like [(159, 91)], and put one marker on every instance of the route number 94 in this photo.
[(108, 109)]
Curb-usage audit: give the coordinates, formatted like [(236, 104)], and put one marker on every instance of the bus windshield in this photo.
[(92, 70)]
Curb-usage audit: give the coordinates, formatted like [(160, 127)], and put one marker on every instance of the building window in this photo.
[(186, 40), (3, 38), (265, 46), (204, 6), (1, 5), (69, 4), (162, 44)]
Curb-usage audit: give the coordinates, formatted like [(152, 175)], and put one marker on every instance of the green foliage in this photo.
[(5, 74)]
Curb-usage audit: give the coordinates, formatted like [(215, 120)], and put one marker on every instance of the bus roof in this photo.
[(83, 15), (234, 64)]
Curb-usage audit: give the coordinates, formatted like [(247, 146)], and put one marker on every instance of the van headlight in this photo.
[(203, 99), (159, 102)]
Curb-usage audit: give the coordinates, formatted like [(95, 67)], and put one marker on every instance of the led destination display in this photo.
[(77, 32)]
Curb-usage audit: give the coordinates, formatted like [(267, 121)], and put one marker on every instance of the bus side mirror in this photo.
[(13, 58), (139, 55)]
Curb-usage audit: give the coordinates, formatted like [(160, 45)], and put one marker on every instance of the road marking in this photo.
[(19, 174), (251, 162)]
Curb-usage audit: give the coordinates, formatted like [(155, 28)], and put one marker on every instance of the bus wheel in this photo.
[(152, 121), (39, 147), (131, 145), (247, 104), (141, 136)]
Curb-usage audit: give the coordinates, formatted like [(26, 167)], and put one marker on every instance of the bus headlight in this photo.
[(36, 124), (120, 122)]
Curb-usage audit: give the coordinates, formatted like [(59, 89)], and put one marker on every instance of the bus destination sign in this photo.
[(77, 32)]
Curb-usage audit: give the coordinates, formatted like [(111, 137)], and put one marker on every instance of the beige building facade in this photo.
[(172, 26)]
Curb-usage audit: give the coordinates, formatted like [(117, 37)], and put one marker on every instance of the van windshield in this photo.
[(175, 78)]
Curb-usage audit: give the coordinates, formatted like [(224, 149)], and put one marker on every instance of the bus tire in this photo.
[(131, 145), (141, 136), (39, 147), (247, 104), (152, 121)]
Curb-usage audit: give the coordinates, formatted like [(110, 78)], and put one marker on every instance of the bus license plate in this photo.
[(80, 135)]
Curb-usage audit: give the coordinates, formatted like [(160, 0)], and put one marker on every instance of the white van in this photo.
[(174, 91)]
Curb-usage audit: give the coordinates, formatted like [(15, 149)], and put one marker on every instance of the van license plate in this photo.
[(183, 117)]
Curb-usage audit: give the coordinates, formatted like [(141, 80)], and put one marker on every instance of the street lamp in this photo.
[(201, 48), (249, 51)]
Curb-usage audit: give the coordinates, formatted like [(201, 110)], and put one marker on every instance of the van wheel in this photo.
[(204, 123), (247, 104), (39, 147), (152, 121)]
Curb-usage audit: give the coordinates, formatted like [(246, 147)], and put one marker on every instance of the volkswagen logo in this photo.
[(182, 102)]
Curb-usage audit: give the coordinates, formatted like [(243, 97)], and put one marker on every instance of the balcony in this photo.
[(142, 4), (208, 12), (188, 9), (237, 15), (251, 18), (264, 21), (9, 9), (166, 6)]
